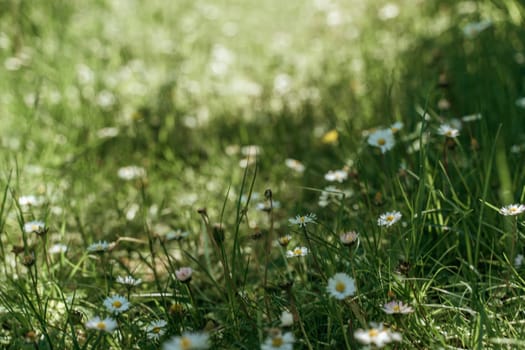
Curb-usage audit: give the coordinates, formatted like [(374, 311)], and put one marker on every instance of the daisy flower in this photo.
[(341, 286), (98, 247), (188, 341), (336, 175), (512, 209), (298, 251), (396, 127), (448, 131), (107, 325), (377, 335), (184, 274), (131, 172), (382, 138), (30, 201), (129, 281), (116, 304), (155, 329), (246, 162), (37, 227), (251, 150), (389, 218), (294, 165), (286, 319), (303, 220), (57, 248), (277, 340), (348, 238), (397, 307)]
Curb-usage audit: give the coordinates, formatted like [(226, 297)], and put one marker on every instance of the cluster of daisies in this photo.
[(341, 287), (118, 304)]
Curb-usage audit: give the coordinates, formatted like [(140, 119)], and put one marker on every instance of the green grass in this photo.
[(180, 89)]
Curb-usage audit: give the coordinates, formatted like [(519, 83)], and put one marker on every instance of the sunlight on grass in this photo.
[(316, 174)]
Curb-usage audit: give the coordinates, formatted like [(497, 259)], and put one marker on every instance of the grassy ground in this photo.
[(180, 90)]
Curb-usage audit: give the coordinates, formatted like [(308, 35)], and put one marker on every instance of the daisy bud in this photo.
[(202, 211), (443, 81), (349, 238), (184, 274), (284, 240), (176, 309), (443, 104)]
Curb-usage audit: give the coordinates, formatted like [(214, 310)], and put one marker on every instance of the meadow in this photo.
[(241, 174)]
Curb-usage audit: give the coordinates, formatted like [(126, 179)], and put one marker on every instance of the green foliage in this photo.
[(125, 123)]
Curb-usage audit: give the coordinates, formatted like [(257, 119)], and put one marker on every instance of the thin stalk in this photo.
[(316, 261)]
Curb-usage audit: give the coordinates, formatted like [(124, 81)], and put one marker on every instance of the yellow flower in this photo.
[(330, 137)]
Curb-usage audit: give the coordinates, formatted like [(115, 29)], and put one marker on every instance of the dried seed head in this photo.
[(286, 285), (403, 267), (75, 317), (17, 249), (28, 260), (257, 234)]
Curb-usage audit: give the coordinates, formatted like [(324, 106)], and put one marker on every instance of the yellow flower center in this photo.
[(373, 333), (302, 219), (396, 308), (117, 304), (156, 330), (185, 343), (297, 251), (277, 342), (340, 287), (390, 218), (101, 325), (381, 142), (448, 133), (513, 209)]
